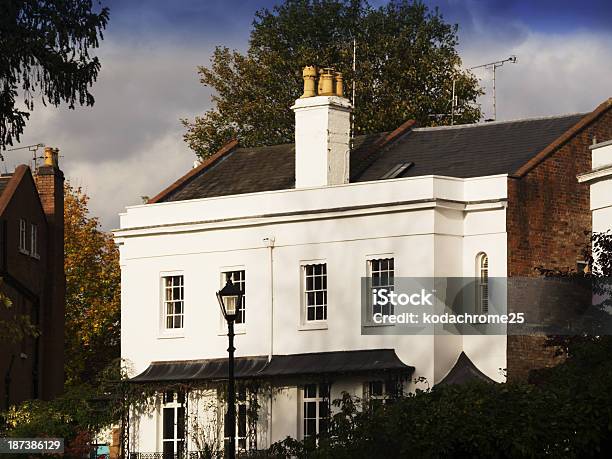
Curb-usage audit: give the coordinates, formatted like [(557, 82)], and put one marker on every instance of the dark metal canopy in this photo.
[(464, 371), (318, 363), (338, 362), (201, 370)]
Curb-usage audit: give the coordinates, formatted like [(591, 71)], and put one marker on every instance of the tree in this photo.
[(406, 64), (44, 52), (93, 289)]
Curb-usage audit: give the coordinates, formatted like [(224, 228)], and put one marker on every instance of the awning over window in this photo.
[(311, 364), (339, 362), (201, 370)]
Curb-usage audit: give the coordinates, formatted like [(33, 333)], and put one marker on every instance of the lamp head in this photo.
[(229, 298)]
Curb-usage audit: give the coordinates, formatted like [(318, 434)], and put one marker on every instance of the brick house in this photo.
[(32, 272), (298, 226)]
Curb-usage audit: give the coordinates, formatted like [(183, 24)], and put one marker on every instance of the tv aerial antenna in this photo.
[(489, 66), (33, 148), (493, 66)]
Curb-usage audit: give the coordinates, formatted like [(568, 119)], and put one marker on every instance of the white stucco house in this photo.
[(298, 226)]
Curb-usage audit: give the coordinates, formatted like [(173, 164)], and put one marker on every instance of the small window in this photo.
[(397, 171), (174, 303), (34, 240), (316, 409), (482, 279), (23, 236), (315, 291), (382, 272), (378, 393), (173, 423), (239, 279)]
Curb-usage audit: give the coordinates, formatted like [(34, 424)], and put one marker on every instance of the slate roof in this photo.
[(458, 151), (309, 364), (464, 371)]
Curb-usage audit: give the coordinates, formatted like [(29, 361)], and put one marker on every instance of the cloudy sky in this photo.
[(130, 143)]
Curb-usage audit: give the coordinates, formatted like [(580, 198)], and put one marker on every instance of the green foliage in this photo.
[(407, 60), (75, 416), (44, 52), (569, 415)]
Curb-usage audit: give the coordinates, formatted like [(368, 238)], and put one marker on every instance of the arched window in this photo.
[(482, 282)]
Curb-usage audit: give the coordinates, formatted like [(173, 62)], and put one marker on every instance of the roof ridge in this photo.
[(494, 123)]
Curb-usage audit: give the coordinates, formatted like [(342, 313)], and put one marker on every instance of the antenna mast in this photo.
[(493, 66), (353, 91)]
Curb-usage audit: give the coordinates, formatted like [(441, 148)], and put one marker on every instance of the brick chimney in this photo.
[(322, 130), (50, 184)]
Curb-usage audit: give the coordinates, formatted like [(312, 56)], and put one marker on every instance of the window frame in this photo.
[(176, 406), (314, 324), (370, 261), (23, 236), (232, 270), (318, 400), (165, 332), (482, 287), (384, 398), (34, 253)]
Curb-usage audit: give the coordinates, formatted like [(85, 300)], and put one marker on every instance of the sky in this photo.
[(130, 144)]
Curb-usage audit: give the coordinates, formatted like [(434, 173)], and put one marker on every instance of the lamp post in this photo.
[(230, 297)]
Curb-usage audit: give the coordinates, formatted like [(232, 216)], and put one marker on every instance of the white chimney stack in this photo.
[(322, 131)]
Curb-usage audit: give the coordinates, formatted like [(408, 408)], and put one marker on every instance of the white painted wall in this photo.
[(432, 226), (600, 181)]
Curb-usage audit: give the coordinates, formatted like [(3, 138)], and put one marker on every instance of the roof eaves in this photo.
[(12, 185), (208, 162), (563, 138)]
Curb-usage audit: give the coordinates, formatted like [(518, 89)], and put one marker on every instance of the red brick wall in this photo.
[(23, 282), (50, 184), (547, 216)]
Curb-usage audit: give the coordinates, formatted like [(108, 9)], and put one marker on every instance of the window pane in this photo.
[(310, 427), (311, 313), (242, 420), (169, 449), (310, 298), (310, 409), (180, 423), (310, 391), (168, 415), (323, 408)]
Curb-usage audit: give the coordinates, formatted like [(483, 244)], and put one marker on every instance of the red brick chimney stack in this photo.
[(50, 184)]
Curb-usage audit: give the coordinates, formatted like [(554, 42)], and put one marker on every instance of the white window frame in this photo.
[(34, 241), (384, 397), (241, 404), (176, 407), (318, 400), (482, 283), (370, 262), (239, 329), (242, 283), (315, 324), (23, 236), (165, 332)]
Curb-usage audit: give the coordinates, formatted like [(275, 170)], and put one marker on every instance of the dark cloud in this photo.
[(130, 143)]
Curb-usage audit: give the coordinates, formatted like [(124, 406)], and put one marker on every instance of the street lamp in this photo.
[(230, 297)]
